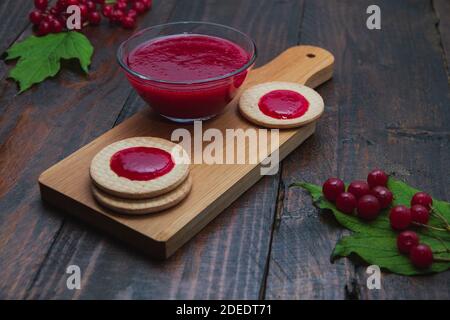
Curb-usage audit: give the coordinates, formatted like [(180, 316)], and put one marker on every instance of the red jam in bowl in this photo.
[(187, 76), (141, 163)]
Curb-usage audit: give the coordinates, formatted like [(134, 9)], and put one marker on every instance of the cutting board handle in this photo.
[(308, 65)]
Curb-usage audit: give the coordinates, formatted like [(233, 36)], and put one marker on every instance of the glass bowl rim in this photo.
[(120, 50)]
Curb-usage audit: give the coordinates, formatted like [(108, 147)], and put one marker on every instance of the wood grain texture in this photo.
[(299, 266), (407, 125), (442, 11), (14, 18), (391, 95), (228, 258), (42, 126)]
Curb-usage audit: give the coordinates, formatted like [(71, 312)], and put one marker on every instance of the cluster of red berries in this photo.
[(368, 198), (53, 19), (401, 217)]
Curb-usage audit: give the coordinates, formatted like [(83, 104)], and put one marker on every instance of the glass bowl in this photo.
[(190, 100)]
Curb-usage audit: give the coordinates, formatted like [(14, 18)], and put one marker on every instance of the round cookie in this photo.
[(143, 206), (110, 182), (250, 98)]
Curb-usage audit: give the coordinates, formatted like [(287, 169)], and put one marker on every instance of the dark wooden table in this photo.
[(387, 106)]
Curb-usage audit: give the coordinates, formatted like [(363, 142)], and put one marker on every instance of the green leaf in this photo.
[(40, 57), (375, 241)]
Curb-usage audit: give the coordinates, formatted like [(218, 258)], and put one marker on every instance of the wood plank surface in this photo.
[(387, 106), (390, 97), (407, 126), (302, 242), (14, 19), (442, 12)]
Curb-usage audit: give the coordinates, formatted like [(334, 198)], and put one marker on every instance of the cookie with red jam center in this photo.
[(281, 105), (139, 168)]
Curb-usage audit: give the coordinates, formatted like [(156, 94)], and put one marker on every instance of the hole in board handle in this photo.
[(311, 55)]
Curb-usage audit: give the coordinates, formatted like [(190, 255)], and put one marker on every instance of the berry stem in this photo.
[(438, 215), (442, 242), (442, 251), (430, 227), (441, 259)]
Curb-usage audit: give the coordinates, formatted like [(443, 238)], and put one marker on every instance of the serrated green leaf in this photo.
[(40, 57), (375, 242)]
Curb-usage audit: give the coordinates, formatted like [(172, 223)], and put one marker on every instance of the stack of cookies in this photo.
[(140, 175)]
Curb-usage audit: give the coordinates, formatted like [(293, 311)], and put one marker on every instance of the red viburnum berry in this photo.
[(332, 188), (56, 26), (368, 207), (406, 240), (61, 5), (128, 22), (346, 202), (420, 214), (383, 194), (49, 18), (44, 28), (359, 188), (108, 10), (147, 4), (132, 13), (421, 256), (377, 178), (121, 5), (91, 6), (54, 11), (400, 217), (41, 4), (139, 7), (94, 18), (73, 2), (83, 10), (423, 199), (117, 16), (36, 17)]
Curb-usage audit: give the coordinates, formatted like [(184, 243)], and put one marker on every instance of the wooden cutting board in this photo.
[(66, 185)]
